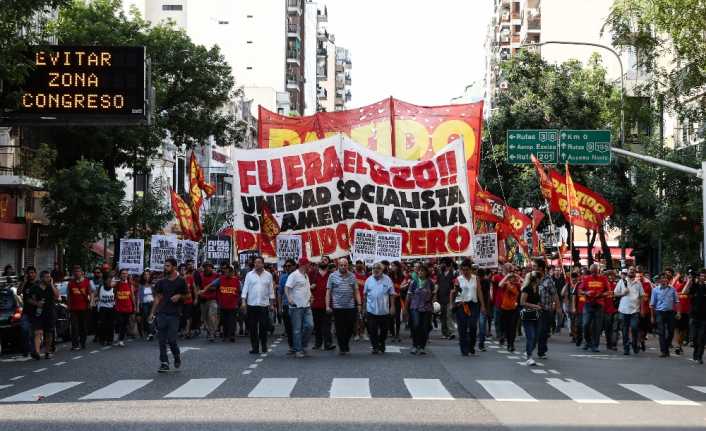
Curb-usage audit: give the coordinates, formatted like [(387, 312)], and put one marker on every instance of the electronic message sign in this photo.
[(87, 85)]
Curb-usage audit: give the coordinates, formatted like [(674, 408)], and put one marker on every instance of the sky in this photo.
[(421, 51)]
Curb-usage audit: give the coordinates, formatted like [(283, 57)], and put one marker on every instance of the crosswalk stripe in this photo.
[(659, 395), (273, 388), (579, 392), (5, 386), (427, 389), (116, 390), (350, 388), (505, 390), (195, 388), (35, 394), (699, 388)]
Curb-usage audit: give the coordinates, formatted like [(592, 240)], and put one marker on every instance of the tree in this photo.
[(146, 215), (22, 24), (548, 96), (83, 204)]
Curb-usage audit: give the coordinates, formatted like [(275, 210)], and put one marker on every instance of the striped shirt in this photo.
[(342, 289)]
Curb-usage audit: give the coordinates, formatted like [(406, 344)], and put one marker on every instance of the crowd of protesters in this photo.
[(331, 303)]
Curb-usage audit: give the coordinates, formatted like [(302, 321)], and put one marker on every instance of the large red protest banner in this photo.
[(391, 127), (328, 189)]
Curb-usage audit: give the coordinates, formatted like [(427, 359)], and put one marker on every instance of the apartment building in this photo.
[(333, 69)]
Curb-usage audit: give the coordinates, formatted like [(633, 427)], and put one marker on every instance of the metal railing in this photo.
[(19, 161)]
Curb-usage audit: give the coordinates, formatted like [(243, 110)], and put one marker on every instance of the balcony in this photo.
[(534, 23), (348, 80), (321, 73), (293, 30), (321, 93), (339, 68), (515, 38), (21, 167), (322, 35), (293, 82), (294, 6), (322, 16), (348, 96), (321, 51), (293, 56)]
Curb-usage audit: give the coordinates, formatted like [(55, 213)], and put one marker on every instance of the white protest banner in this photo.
[(218, 250), (132, 255), (161, 248), (388, 246), (189, 250), (179, 256), (371, 246), (364, 246), (288, 247), (327, 190), (485, 250)]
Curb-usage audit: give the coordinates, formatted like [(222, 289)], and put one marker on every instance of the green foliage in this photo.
[(147, 215), (22, 24), (219, 215), (83, 203)]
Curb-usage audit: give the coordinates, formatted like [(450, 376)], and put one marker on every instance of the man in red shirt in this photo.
[(610, 314), (208, 299), (645, 322), (497, 295), (78, 299), (595, 287), (227, 288), (124, 304), (187, 311), (318, 277), (681, 324)]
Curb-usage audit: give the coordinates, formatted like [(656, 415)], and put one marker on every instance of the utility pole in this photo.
[(700, 173)]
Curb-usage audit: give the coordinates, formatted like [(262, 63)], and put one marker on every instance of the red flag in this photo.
[(591, 209), (545, 184), (537, 217), (516, 224), (269, 228), (572, 199), (488, 207), (184, 216), (197, 184)]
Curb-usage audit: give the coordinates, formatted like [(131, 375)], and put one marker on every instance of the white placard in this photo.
[(485, 250), (372, 246), (132, 255), (161, 248), (288, 247)]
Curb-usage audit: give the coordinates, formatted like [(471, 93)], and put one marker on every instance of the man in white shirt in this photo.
[(258, 298), (630, 291), (467, 297), (298, 290)]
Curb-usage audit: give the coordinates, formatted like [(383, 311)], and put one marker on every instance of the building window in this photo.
[(223, 22), (172, 7), (248, 68), (248, 16), (249, 42)]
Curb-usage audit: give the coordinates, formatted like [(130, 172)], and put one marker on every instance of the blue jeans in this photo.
[(302, 325), (531, 331), (497, 318), (26, 335), (665, 329), (592, 324), (483, 323), (167, 328), (467, 327), (630, 322)]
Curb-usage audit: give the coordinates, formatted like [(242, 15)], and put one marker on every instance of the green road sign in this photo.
[(521, 144), (585, 147)]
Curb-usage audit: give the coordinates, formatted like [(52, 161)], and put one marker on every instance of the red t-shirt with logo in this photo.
[(594, 286), (228, 293), (497, 291), (684, 305), (189, 298), (608, 300), (123, 297), (208, 295), (79, 293)]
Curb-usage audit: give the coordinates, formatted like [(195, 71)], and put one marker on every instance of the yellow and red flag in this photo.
[(197, 184), (537, 217), (184, 216), (269, 228), (572, 199), (545, 184)]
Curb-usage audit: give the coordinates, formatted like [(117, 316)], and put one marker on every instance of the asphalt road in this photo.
[(221, 386)]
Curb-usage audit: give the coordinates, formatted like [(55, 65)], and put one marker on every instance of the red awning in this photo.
[(13, 231)]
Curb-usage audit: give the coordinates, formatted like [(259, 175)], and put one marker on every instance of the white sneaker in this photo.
[(121, 344), (357, 338), (530, 362), (524, 355), (366, 338)]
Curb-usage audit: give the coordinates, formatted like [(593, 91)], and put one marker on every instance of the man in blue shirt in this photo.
[(283, 304), (663, 303), (378, 291)]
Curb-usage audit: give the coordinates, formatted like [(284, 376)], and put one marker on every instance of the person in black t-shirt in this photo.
[(169, 294), (42, 297), (696, 289), (27, 310)]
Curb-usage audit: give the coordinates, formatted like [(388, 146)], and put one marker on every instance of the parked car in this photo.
[(10, 315)]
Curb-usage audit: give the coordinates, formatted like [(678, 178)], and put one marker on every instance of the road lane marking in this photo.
[(505, 390), (40, 392), (93, 352), (196, 388), (350, 388), (253, 366), (116, 390), (105, 348), (513, 357), (427, 389), (5, 386), (659, 395), (263, 355), (16, 378), (554, 372), (503, 352), (259, 360), (247, 372), (696, 388), (579, 392), (273, 388), (60, 363), (40, 370), (77, 357), (539, 371)]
